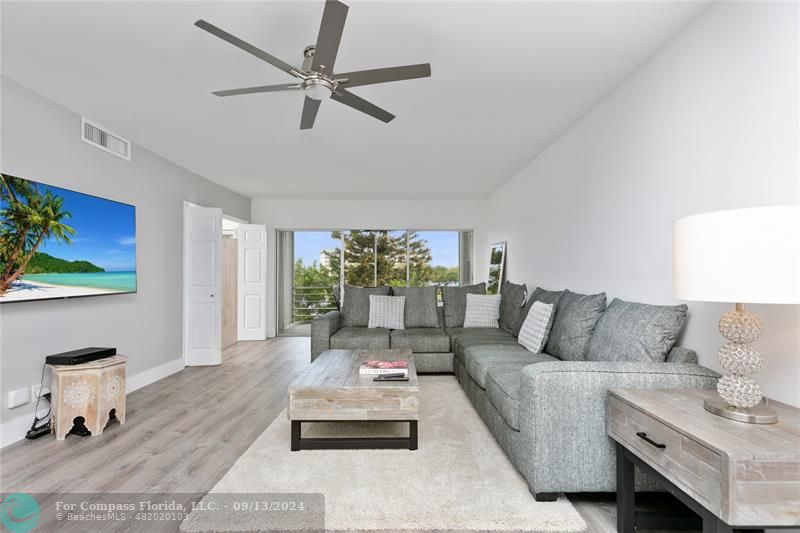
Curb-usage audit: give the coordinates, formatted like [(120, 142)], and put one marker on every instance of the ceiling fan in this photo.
[(316, 76)]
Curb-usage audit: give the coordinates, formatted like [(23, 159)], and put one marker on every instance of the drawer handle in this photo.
[(642, 435)]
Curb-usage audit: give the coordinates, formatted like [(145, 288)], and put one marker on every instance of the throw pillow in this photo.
[(420, 311), (630, 331), (513, 296), (386, 311), (355, 305), (536, 327), (576, 316), (539, 295), (483, 311), (455, 303)]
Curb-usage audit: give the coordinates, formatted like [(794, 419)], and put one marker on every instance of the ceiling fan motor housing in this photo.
[(318, 88)]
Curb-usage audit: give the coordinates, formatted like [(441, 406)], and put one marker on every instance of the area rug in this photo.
[(459, 479)]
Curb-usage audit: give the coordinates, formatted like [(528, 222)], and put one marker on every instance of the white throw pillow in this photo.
[(483, 311), (386, 311), (536, 328)]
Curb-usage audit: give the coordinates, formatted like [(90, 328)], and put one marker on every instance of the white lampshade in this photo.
[(741, 255)]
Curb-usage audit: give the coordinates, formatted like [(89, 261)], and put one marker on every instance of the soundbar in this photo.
[(77, 357)]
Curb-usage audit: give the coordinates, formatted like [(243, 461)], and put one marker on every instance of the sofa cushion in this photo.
[(420, 309), (536, 328), (576, 316), (513, 297), (465, 337), (360, 338), (479, 359), (386, 311), (421, 340), (455, 303), (502, 388), (355, 305), (630, 331), (483, 311), (539, 295)]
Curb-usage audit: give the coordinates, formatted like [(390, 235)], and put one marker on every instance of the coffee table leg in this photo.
[(295, 435), (412, 435)]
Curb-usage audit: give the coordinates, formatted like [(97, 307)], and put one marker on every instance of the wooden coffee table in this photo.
[(333, 390)]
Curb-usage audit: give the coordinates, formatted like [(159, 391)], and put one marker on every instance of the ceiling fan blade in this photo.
[(310, 108), (260, 89), (330, 34), (247, 47), (356, 102), (382, 75)]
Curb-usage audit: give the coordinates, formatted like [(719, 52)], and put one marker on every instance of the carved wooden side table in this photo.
[(94, 391)]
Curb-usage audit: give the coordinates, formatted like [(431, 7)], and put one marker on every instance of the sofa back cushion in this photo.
[(420, 309), (513, 296), (630, 331), (539, 295), (455, 303), (355, 305), (576, 317)]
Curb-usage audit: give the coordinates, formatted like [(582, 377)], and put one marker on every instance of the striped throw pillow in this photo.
[(536, 328), (483, 311), (386, 311)]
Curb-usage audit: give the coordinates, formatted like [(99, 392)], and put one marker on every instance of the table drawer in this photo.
[(690, 465)]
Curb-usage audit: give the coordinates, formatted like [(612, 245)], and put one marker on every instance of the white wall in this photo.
[(369, 214), (41, 141), (710, 122)]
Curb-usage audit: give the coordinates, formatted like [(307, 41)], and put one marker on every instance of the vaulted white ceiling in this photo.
[(507, 79)]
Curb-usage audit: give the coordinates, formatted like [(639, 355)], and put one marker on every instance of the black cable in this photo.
[(36, 418)]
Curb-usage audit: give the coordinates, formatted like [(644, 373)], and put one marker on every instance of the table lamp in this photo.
[(739, 256)]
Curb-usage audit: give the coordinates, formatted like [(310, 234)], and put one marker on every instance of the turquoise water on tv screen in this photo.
[(119, 281)]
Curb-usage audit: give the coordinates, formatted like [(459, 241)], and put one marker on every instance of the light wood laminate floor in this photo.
[(185, 431)]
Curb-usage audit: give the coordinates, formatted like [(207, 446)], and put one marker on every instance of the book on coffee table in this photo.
[(377, 366)]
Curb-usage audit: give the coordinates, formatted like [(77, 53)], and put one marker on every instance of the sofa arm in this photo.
[(322, 329), (563, 417)]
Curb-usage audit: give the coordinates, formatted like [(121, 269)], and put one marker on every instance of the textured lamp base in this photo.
[(760, 414)]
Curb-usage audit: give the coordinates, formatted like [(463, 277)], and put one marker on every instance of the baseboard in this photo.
[(151, 375), (15, 429)]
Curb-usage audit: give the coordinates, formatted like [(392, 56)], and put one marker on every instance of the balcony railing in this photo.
[(310, 302)]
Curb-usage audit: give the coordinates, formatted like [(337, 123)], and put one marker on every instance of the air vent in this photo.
[(100, 137)]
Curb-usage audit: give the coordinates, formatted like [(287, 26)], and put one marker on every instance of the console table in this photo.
[(94, 391), (734, 475)]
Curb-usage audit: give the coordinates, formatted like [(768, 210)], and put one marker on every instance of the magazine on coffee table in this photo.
[(376, 366)]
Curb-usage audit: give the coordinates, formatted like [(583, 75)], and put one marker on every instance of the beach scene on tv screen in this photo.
[(57, 243)]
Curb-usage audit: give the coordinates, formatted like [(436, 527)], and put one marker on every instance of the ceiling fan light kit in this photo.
[(316, 77)]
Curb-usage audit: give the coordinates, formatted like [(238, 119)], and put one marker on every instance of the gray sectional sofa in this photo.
[(546, 410)]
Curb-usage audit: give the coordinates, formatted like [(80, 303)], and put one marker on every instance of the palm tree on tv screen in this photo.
[(29, 218)]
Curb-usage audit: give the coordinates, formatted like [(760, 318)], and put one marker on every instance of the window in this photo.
[(315, 271), (433, 258), (311, 263)]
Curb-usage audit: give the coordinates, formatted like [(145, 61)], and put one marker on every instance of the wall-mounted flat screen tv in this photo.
[(56, 243)]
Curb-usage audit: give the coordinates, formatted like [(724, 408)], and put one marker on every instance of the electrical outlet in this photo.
[(35, 391), (18, 397)]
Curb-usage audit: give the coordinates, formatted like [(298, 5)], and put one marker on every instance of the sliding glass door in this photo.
[(312, 263)]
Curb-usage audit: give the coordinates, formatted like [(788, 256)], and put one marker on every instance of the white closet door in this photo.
[(203, 313), (252, 239)]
